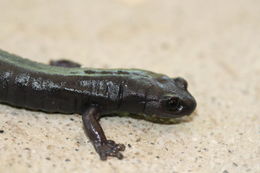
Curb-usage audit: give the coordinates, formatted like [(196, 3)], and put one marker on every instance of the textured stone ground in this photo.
[(215, 45)]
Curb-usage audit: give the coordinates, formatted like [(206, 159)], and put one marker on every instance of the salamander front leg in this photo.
[(96, 135), (64, 63)]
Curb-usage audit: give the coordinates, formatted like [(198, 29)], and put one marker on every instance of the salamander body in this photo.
[(64, 87)]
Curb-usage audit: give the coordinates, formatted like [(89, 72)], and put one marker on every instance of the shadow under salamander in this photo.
[(153, 119)]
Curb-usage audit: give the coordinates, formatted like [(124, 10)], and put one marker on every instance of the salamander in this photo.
[(65, 87)]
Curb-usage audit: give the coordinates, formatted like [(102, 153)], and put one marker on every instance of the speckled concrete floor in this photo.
[(215, 45)]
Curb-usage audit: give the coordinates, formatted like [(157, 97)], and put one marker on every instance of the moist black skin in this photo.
[(92, 93)]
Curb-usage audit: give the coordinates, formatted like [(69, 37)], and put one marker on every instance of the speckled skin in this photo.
[(92, 93)]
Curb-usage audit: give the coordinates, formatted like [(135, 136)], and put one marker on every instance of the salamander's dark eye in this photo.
[(181, 82), (173, 103)]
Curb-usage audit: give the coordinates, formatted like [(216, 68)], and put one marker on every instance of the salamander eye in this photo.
[(181, 82), (173, 103)]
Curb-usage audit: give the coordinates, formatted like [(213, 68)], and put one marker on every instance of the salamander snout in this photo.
[(178, 105), (189, 104), (187, 101)]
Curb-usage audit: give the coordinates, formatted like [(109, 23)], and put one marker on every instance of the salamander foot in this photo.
[(110, 148), (96, 135)]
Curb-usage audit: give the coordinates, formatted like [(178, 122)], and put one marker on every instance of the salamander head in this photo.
[(173, 101)]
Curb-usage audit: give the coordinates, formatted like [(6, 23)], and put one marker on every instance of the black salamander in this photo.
[(65, 87)]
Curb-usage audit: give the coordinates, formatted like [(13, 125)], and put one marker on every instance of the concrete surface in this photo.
[(215, 45)]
